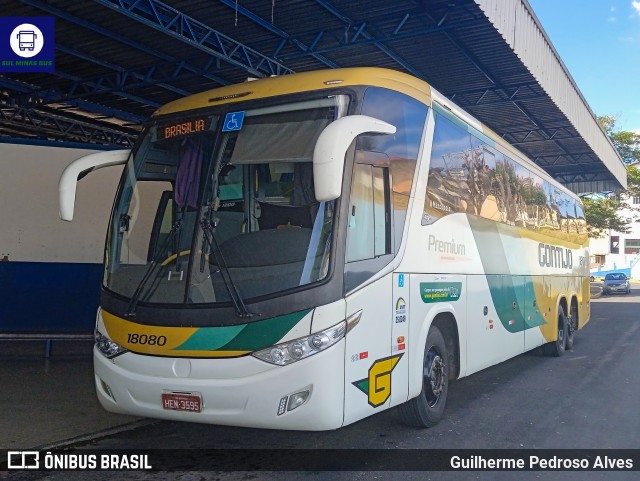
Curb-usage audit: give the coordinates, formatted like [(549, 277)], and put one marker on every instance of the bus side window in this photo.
[(369, 214), (408, 115), (447, 186)]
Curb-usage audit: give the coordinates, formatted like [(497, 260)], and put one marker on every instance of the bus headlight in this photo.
[(303, 347), (107, 347)]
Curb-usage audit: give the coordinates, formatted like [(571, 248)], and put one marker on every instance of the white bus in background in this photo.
[(301, 252)]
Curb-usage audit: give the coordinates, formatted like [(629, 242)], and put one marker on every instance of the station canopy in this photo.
[(117, 61)]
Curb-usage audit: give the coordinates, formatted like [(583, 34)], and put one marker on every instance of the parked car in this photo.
[(616, 282)]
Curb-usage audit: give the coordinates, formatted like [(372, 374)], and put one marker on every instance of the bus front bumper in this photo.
[(240, 391)]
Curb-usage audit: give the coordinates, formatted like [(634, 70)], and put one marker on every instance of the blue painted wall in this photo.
[(599, 273), (48, 296)]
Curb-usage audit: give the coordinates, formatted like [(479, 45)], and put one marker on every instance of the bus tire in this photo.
[(427, 409), (572, 327), (558, 347)]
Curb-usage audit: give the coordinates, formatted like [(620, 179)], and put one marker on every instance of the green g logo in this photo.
[(378, 385)]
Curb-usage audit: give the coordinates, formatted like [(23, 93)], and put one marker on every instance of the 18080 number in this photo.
[(150, 340)]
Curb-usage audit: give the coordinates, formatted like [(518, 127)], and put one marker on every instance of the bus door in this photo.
[(369, 361)]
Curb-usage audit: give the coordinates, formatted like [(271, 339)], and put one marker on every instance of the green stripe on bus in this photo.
[(501, 287), (251, 336)]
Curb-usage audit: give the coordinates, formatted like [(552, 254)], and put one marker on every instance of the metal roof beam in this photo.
[(378, 43), (176, 24), (550, 136), (543, 133), (602, 181), (55, 126), (523, 110), (343, 42), (96, 87), (508, 97), (471, 57), (584, 176), (126, 41), (280, 33), (30, 96), (511, 91), (527, 132), (125, 79), (558, 157)]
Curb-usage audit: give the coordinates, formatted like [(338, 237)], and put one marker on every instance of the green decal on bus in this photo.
[(440, 291)]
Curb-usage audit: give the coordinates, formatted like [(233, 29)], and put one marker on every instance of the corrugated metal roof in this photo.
[(117, 60), (517, 23)]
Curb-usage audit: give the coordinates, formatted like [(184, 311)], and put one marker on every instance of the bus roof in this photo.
[(303, 82), (331, 78)]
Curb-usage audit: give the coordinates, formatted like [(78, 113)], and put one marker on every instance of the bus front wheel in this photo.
[(427, 409)]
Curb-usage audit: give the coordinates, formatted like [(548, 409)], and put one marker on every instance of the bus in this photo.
[(301, 252)]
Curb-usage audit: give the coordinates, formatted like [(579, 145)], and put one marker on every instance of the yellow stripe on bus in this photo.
[(158, 340), (303, 82)]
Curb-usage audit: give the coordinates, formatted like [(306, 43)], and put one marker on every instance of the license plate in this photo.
[(175, 401)]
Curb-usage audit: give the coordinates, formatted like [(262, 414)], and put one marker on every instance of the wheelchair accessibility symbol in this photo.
[(233, 121)]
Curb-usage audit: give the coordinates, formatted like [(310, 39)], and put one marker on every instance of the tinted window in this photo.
[(368, 227), (401, 149), (448, 188), (468, 174), (615, 277), (407, 115)]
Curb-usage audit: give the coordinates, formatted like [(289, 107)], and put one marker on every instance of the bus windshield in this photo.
[(210, 205)]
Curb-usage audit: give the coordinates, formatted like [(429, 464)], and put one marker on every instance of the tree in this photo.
[(633, 180), (601, 211), (626, 143), (602, 214)]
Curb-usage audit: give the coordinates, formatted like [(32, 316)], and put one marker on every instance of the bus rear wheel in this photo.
[(427, 409), (558, 347), (572, 326)]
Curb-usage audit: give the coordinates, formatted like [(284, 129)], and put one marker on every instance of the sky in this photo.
[(599, 42)]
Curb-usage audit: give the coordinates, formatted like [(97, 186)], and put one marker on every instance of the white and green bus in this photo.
[(301, 252)]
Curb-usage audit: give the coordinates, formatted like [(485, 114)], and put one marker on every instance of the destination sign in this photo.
[(184, 127)]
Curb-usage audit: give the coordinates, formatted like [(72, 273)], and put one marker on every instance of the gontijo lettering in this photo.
[(553, 256)]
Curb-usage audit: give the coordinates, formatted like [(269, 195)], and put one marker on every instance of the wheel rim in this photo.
[(434, 376), (561, 330)]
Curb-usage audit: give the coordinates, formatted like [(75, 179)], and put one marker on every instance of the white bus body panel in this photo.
[(367, 343), (236, 392), (240, 391)]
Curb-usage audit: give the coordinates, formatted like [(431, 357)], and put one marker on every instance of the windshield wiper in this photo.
[(209, 230), (133, 303)]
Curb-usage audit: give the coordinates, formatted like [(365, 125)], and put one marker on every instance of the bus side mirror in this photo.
[(78, 169), (331, 147)]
